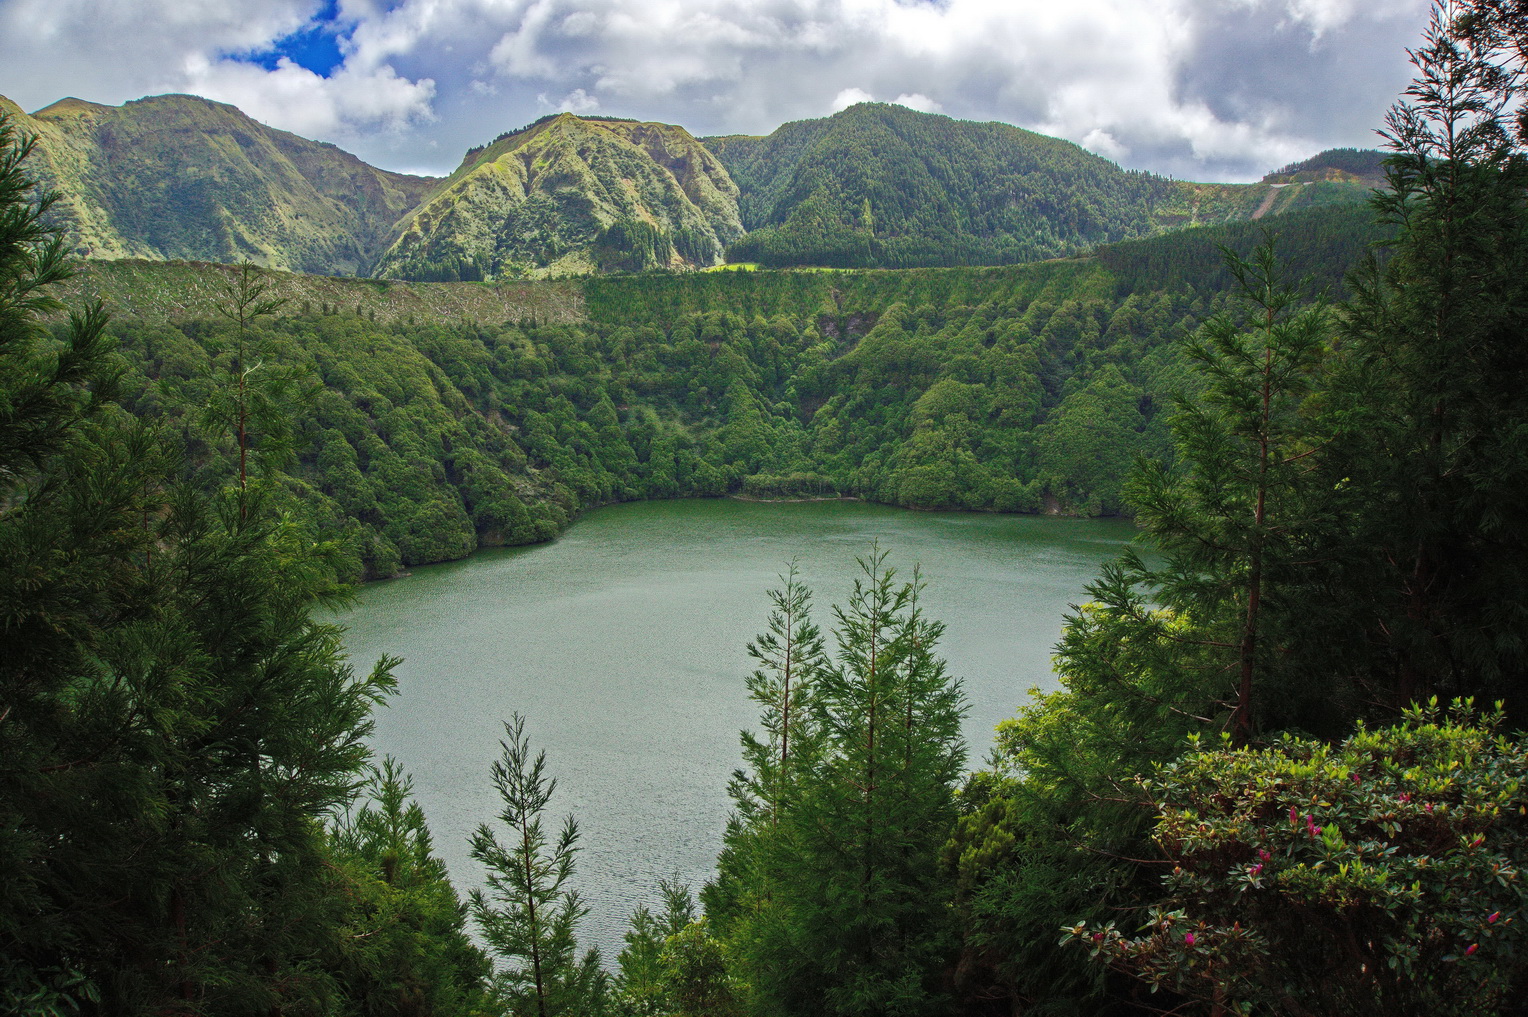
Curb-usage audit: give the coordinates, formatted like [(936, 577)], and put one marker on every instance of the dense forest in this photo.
[(1278, 776)]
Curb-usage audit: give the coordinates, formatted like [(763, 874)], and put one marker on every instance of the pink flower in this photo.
[(1491, 918), (1098, 937), (1472, 948), (1428, 806), (1188, 938), (1357, 779), (1294, 815), (1263, 855), (1310, 825), (1405, 796), (1255, 869)]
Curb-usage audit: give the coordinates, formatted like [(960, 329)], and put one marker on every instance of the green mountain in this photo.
[(176, 176), (882, 185), (879, 185), (876, 185), (571, 194)]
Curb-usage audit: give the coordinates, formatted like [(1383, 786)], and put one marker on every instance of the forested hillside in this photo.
[(883, 185), (179, 177), (427, 420), (880, 185)]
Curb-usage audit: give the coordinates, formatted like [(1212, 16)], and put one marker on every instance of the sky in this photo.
[(1214, 90)]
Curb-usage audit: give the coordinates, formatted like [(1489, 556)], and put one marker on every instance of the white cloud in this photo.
[(579, 101), (1205, 88), (849, 96), (919, 102)]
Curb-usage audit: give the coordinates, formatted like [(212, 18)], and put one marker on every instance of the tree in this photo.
[(1434, 402), (849, 912), (253, 389), (403, 944), (748, 900), (529, 913), (1230, 520), (174, 721), (790, 655), (644, 985)]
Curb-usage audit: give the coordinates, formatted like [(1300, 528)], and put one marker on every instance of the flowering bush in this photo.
[(1378, 875)]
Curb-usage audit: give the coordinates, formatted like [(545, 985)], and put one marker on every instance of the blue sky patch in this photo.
[(316, 47)]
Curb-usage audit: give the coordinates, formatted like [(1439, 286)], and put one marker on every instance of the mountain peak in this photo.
[(571, 193), (69, 106)]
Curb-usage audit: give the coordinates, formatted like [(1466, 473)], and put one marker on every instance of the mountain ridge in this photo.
[(874, 185)]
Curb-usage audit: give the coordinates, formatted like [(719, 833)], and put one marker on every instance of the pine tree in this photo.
[(529, 913), (404, 947), (1231, 517), (174, 722), (857, 916), (1439, 387), (643, 987), (747, 903), (790, 655)]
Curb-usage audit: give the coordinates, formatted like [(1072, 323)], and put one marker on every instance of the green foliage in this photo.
[(827, 896), (1431, 408), (1377, 875), (570, 194), (177, 176), (528, 914), (883, 186), (1364, 163), (404, 944), (177, 726), (644, 985), (1317, 248), (1232, 522)]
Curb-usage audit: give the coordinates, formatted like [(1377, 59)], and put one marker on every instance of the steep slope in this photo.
[(567, 194), (882, 185), (177, 176)]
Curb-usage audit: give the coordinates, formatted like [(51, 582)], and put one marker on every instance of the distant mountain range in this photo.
[(876, 185)]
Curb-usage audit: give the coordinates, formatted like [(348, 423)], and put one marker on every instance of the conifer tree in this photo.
[(173, 723), (1231, 516), (529, 914), (404, 947), (850, 913), (643, 987), (1435, 401)]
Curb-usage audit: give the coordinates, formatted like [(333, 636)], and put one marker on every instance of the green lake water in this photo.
[(623, 644)]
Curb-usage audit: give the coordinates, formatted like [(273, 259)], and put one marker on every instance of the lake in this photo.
[(623, 644)]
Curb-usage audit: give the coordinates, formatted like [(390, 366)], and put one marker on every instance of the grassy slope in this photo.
[(176, 176)]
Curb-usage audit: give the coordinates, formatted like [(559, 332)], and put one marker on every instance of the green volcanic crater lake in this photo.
[(623, 644)]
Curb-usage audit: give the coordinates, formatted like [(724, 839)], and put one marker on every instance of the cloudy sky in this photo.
[(1201, 89)]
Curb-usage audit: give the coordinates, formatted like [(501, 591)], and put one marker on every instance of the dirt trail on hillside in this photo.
[(1273, 193)]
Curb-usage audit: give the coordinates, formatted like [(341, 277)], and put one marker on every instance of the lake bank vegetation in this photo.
[(1280, 775)]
